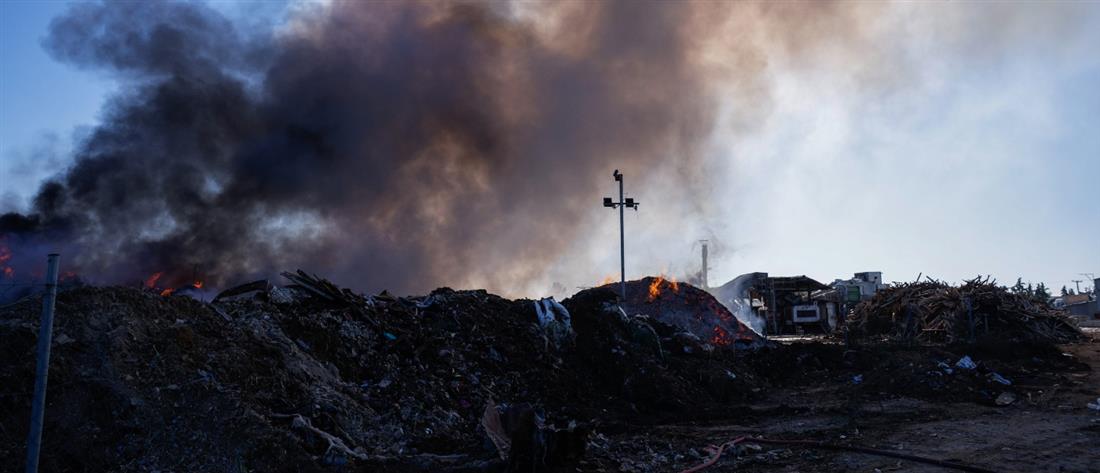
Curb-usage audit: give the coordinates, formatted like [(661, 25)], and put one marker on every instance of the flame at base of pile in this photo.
[(690, 308)]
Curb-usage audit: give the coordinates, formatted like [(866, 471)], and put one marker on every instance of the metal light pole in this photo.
[(622, 205), (42, 370)]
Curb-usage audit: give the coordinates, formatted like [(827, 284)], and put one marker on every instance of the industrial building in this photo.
[(1085, 306), (780, 305)]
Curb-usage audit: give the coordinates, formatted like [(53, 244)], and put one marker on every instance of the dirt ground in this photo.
[(1049, 428)]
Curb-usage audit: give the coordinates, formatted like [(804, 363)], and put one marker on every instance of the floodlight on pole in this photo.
[(622, 205)]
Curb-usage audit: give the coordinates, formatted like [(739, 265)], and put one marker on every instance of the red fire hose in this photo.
[(715, 454), (717, 450)]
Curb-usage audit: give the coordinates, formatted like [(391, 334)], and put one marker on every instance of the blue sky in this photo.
[(42, 102), (975, 150), (45, 104)]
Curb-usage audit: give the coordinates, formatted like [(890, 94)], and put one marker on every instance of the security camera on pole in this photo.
[(621, 205)]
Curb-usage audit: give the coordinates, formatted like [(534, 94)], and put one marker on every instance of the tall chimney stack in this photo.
[(704, 272)]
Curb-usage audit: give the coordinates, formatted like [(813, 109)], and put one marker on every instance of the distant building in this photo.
[(860, 288), (1086, 305)]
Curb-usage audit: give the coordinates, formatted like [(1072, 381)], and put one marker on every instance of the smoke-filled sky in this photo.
[(413, 145)]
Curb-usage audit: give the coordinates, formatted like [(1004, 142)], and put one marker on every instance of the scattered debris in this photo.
[(966, 363), (322, 288), (555, 320), (717, 450), (244, 291), (526, 443), (1005, 399), (337, 452), (494, 428)]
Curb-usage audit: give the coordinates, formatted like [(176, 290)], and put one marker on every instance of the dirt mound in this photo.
[(937, 313), (296, 378)]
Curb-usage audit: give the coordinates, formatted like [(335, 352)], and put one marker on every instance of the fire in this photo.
[(655, 286), (610, 278), (721, 337), (151, 283), (5, 256)]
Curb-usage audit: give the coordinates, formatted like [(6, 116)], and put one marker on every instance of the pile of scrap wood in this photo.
[(323, 288), (936, 312)]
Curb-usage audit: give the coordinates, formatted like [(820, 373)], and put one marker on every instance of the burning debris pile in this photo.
[(934, 312), (687, 306), (310, 375)]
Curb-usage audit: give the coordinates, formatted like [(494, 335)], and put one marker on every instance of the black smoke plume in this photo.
[(387, 144)]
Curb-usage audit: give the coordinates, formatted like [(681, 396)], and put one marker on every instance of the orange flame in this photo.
[(5, 256), (721, 337), (655, 286), (197, 285), (610, 278), (167, 292), (152, 281)]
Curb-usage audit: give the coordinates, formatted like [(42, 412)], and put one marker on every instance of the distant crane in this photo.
[(1077, 282)]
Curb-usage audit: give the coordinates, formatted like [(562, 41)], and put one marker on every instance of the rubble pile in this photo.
[(687, 306), (309, 376), (934, 312)]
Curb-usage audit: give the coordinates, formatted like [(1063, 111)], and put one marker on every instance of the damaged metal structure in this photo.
[(787, 305), (779, 305)]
